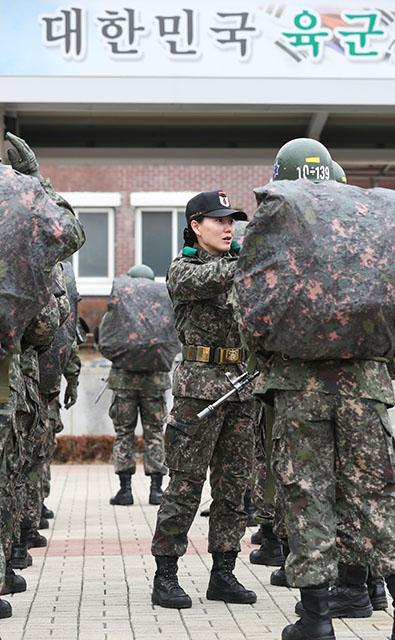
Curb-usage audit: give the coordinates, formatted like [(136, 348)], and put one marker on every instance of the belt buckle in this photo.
[(228, 356), (232, 356), (202, 354)]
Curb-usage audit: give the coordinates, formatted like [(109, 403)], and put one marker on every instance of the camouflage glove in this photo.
[(22, 158), (70, 395)]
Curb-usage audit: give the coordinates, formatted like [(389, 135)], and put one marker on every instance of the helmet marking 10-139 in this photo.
[(303, 158)]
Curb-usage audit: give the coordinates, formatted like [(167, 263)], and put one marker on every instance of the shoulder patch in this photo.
[(189, 252)]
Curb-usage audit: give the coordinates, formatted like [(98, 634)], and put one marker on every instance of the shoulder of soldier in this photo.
[(193, 255), (187, 254), (179, 263), (46, 185)]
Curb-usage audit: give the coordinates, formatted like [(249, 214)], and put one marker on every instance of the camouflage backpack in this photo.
[(316, 274), (35, 234), (137, 333)]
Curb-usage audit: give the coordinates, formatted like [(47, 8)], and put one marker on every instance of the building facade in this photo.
[(133, 107)]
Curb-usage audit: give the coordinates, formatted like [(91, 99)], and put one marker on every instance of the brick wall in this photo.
[(237, 180)]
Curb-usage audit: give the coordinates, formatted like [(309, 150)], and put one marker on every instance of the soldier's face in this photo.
[(214, 234)]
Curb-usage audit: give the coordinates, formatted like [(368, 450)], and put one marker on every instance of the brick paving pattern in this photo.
[(93, 581)]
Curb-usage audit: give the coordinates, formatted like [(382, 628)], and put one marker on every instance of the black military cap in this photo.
[(214, 204)]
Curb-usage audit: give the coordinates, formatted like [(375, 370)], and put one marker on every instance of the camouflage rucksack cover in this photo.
[(53, 361), (138, 331), (35, 234), (316, 274)]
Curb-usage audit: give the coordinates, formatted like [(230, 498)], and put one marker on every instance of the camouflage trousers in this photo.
[(55, 425), (334, 460), (263, 484), (36, 435), (224, 442), (11, 460), (124, 412)]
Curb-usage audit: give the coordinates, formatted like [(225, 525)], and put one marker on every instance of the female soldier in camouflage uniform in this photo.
[(199, 282)]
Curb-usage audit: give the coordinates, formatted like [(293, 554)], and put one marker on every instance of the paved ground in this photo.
[(93, 581)]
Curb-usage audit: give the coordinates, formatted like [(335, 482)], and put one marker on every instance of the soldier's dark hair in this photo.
[(189, 236)]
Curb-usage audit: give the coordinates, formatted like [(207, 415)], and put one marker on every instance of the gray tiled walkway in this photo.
[(93, 581)]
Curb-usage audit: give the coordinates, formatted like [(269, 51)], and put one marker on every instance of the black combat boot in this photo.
[(167, 592), (124, 496), (315, 623), (44, 523), (376, 589), (390, 580), (270, 553), (249, 508), (46, 513), (13, 583), (257, 537), (35, 539), (223, 583), (156, 493), (350, 597), (278, 577), (5, 609), (20, 558)]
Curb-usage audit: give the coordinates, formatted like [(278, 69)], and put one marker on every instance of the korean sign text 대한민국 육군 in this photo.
[(275, 38)]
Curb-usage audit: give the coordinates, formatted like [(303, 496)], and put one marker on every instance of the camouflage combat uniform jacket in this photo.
[(199, 285), (72, 369), (71, 372), (361, 378), (34, 425), (149, 383), (38, 335)]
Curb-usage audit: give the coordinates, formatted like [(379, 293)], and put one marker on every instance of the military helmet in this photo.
[(338, 173), (303, 158), (141, 271)]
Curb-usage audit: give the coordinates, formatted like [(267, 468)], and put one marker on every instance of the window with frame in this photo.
[(160, 222), (159, 236)]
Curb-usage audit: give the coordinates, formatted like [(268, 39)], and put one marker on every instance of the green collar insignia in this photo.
[(189, 252), (235, 247)]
